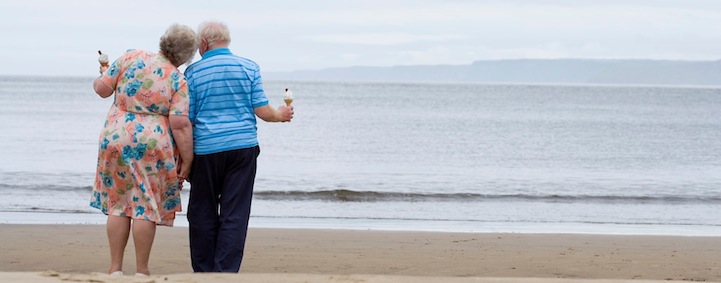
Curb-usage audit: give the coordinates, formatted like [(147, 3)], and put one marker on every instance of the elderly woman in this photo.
[(138, 179)]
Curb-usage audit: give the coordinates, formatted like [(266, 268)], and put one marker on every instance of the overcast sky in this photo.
[(59, 38)]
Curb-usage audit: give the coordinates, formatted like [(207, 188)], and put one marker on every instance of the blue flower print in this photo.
[(129, 117), (159, 72), (116, 136), (153, 108), (176, 84), (96, 200), (142, 188), (138, 129), (122, 175), (172, 203), (136, 199), (139, 64), (113, 71), (104, 144), (107, 180), (140, 150), (128, 152), (160, 164), (139, 210), (130, 73), (133, 87), (170, 191), (158, 129)]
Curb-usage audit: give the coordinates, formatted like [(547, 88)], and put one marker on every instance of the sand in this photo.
[(57, 253)]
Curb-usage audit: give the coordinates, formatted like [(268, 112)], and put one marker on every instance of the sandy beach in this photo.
[(34, 253)]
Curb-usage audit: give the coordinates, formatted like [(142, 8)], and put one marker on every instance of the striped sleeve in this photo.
[(257, 94), (192, 109)]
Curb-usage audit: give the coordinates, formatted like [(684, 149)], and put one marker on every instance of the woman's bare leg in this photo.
[(118, 229), (143, 236)]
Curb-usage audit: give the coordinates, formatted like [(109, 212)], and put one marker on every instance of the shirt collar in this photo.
[(216, 51)]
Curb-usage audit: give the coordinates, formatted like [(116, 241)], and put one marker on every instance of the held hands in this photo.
[(285, 113), (183, 170)]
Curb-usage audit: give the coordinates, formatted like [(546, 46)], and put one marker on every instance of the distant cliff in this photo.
[(571, 71)]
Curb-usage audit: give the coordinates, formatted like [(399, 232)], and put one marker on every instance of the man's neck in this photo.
[(216, 45), (215, 51)]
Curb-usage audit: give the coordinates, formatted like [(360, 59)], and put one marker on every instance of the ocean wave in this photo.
[(342, 195), (346, 195), (44, 187), (46, 210)]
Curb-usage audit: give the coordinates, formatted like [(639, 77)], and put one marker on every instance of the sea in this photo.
[(445, 157)]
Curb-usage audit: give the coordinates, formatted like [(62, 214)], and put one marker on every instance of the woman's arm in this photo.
[(100, 88), (183, 136)]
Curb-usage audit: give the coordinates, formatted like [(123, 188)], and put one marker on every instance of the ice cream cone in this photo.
[(103, 59), (288, 98)]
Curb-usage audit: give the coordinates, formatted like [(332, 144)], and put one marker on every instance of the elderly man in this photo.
[(226, 94)]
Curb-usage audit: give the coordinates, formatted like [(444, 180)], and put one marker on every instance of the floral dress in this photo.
[(136, 172)]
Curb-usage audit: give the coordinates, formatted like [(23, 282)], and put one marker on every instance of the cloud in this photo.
[(291, 35), (380, 38)]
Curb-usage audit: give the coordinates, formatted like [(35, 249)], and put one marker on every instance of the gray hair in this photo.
[(178, 44), (213, 32)]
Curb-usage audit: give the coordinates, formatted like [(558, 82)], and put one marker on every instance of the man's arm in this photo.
[(269, 114)]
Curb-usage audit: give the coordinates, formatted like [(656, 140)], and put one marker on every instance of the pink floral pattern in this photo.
[(136, 171)]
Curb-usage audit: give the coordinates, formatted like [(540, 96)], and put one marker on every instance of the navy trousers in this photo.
[(219, 208)]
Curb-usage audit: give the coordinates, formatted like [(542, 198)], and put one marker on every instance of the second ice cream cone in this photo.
[(288, 97)]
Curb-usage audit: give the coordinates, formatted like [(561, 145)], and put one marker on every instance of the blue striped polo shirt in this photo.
[(224, 91)]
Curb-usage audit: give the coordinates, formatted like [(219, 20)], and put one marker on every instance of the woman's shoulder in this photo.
[(136, 52), (151, 59)]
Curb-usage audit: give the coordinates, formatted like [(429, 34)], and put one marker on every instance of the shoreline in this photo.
[(393, 225), (82, 249)]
